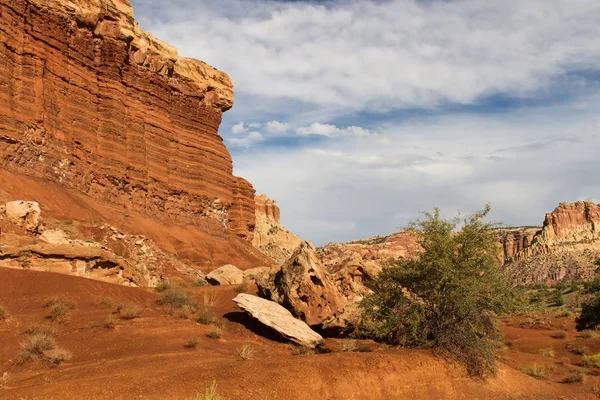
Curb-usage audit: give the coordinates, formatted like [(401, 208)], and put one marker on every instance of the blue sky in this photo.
[(356, 115)]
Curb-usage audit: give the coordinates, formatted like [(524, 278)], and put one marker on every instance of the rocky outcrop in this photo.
[(279, 319), (226, 275), (92, 102), (515, 240), (565, 248), (378, 249), (302, 286), (270, 236), (25, 214)]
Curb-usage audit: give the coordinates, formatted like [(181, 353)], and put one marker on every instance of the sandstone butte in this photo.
[(92, 103), (564, 248)]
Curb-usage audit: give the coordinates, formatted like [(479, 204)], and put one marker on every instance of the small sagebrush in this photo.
[(564, 360), (210, 393), (577, 349), (214, 333), (163, 286), (58, 356), (59, 308), (591, 361), (3, 313), (536, 371), (546, 352), (130, 311), (110, 322), (575, 376), (192, 343), (35, 346), (588, 334), (175, 298), (47, 330), (245, 352), (559, 335)]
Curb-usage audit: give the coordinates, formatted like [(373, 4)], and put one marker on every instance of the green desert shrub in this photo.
[(537, 371), (175, 298), (448, 297), (163, 286), (215, 333), (578, 349), (590, 314), (556, 299), (591, 361)]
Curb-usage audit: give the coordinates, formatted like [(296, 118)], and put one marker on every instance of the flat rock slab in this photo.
[(278, 318)]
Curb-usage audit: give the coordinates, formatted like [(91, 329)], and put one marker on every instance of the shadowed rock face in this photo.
[(90, 101)]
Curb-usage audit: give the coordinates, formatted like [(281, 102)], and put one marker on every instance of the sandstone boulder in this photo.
[(54, 236), (226, 275), (303, 287), (253, 273), (279, 319), (26, 214)]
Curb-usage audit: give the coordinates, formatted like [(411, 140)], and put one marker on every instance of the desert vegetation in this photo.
[(40, 343), (3, 313), (129, 311), (210, 393), (245, 352), (448, 297), (59, 308)]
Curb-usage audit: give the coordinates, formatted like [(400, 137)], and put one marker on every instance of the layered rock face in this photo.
[(90, 101), (379, 249), (564, 249), (270, 236)]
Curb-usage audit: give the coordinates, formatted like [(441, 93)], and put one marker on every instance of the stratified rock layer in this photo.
[(90, 101), (270, 237), (565, 249)]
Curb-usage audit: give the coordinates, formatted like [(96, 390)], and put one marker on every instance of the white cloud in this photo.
[(376, 56), (276, 127), (449, 162), (319, 129), (248, 140), (238, 128)]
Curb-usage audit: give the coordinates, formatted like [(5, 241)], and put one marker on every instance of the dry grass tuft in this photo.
[(537, 371), (47, 330), (547, 352), (587, 334), (129, 311), (577, 349), (245, 353), (564, 360), (206, 311), (110, 322), (35, 346), (59, 307), (591, 361), (575, 376), (58, 356), (3, 313), (192, 343), (215, 333), (355, 346), (210, 393), (559, 335)]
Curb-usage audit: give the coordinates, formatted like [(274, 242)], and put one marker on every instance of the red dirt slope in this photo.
[(145, 358)]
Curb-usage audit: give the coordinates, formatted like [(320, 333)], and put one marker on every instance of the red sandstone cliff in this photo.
[(90, 101)]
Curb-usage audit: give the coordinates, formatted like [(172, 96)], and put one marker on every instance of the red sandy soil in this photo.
[(145, 358), (207, 251)]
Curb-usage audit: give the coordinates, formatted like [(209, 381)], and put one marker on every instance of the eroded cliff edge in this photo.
[(92, 102)]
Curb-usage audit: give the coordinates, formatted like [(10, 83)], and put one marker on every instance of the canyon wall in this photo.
[(565, 249), (270, 237), (92, 102)]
